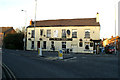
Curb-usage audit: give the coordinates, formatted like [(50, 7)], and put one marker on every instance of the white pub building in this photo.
[(71, 35)]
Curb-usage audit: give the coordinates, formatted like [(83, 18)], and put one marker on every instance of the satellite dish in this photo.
[(68, 32)]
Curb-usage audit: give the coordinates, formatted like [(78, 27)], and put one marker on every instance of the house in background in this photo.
[(75, 35), (4, 31)]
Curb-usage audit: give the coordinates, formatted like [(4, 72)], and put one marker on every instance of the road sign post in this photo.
[(60, 54), (39, 51)]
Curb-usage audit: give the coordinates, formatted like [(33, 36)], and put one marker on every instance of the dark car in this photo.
[(109, 49)]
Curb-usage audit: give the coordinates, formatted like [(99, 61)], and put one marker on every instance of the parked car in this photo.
[(109, 49)]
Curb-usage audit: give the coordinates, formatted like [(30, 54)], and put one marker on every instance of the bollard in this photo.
[(60, 54), (39, 51)]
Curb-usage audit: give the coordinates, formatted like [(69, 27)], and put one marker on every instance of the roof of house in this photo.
[(67, 22), (6, 29)]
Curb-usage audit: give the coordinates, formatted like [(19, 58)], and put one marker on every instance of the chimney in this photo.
[(97, 17), (31, 22), (111, 36)]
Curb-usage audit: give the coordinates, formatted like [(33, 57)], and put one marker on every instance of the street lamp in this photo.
[(115, 30), (24, 31), (35, 21)]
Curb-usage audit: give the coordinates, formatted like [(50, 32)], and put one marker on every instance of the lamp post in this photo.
[(35, 21), (115, 30), (24, 31)]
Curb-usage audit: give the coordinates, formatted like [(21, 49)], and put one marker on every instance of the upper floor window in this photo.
[(48, 33), (87, 33), (55, 33), (33, 34), (41, 32), (74, 33), (63, 33)]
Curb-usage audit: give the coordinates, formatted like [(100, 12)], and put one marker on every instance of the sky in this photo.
[(11, 14)]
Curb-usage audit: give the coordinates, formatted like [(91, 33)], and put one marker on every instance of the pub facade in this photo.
[(72, 35)]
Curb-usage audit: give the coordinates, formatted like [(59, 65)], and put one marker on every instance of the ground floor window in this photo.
[(87, 45), (91, 44), (80, 44), (38, 44), (63, 45), (32, 45), (52, 45), (44, 44)]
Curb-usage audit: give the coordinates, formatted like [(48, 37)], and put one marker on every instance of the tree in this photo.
[(18, 30), (13, 41)]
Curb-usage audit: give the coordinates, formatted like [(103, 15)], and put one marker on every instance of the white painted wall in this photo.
[(94, 34)]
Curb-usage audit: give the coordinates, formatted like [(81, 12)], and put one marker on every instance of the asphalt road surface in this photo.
[(82, 66)]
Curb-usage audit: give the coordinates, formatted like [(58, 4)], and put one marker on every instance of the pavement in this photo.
[(48, 55), (53, 55)]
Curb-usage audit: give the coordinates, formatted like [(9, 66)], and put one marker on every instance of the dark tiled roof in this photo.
[(67, 22)]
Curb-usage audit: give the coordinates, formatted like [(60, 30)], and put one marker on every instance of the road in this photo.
[(83, 66)]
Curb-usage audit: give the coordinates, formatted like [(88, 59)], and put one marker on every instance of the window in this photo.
[(63, 45), (44, 44), (87, 33), (48, 33), (52, 45), (38, 44), (32, 45), (87, 47), (33, 34), (41, 32), (91, 44), (55, 33), (74, 33), (81, 44), (63, 33)]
